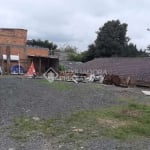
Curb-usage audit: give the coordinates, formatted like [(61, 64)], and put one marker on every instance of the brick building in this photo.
[(14, 51)]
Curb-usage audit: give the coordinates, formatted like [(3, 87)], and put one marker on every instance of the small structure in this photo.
[(14, 51)]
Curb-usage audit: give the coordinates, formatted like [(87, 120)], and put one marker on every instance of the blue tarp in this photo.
[(15, 70)]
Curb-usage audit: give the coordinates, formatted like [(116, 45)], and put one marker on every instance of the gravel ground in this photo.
[(30, 97)]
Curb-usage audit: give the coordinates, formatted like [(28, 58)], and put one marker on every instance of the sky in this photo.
[(75, 22)]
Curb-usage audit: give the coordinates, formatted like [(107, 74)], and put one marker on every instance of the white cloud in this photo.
[(75, 22)]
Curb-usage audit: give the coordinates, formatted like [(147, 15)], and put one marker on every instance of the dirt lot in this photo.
[(35, 98)]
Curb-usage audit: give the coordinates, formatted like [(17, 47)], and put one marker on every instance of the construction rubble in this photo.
[(87, 76)]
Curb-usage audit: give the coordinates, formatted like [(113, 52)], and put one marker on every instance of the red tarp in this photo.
[(31, 71)]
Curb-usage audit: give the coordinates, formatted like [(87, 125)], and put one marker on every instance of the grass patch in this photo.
[(64, 85), (25, 128), (121, 122), (58, 85), (95, 85)]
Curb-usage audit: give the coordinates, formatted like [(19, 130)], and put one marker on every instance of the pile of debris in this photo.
[(80, 76), (117, 80), (100, 76), (93, 76)]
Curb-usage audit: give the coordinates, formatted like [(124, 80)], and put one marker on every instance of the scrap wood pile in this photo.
[(141, 83), (138, 68), (69, 76), (98, 76), (118, 80), (93, 76), (80, 76)]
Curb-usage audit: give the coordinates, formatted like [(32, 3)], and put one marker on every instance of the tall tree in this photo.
[(111, 39), (148, 48)]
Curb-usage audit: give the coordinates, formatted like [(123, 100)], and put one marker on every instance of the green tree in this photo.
[(148, 48), (131, 50), (70, 49), (71, 52), (91, 52), (111, 39)]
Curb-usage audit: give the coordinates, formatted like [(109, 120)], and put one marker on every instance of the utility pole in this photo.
[(8, 59)]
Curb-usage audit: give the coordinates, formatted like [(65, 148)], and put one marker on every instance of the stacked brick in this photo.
[(136, 68)]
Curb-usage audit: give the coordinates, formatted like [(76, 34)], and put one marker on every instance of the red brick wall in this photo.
[(23, 53), (37, 51), (13, 37), (16, 51)]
